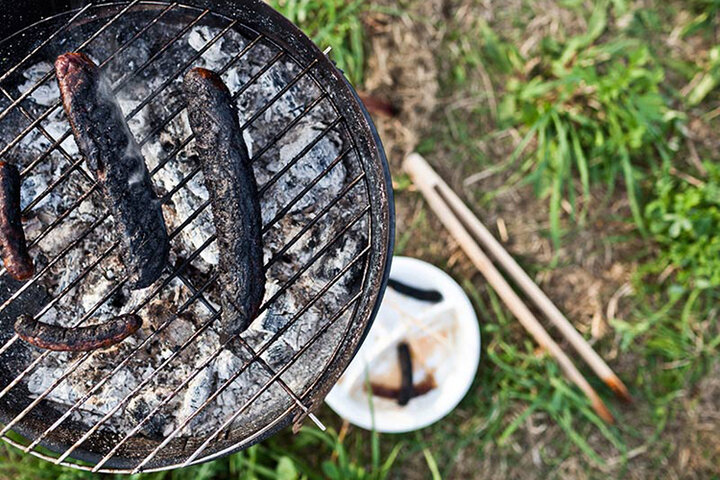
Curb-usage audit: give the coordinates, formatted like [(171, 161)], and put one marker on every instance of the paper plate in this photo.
[(444, 339)]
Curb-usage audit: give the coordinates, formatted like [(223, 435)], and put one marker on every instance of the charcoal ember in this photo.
[(45, 94), (312, 165), (172, 337), (184, 203), (279, 354), (34, 185), (226, 364), (213, 55), (138, 408), (274, 322), (42, 378), (198, 391)]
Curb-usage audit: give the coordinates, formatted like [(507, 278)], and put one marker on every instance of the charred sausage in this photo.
[(233, 195), (432, 296), (393, 393), (15, 254), (114, 156), (406, 374), (78, 339)]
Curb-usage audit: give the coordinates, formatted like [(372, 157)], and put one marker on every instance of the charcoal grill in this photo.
[(339, 235)]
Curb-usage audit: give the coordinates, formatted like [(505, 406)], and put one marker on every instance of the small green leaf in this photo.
[(286, 469)]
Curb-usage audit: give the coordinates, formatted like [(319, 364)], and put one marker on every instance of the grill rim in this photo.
[(302, 51)]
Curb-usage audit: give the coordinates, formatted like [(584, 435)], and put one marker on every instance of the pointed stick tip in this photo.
[(617, 386), (602, 411)]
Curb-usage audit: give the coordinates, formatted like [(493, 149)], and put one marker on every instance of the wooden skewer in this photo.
[(426, 180), (508, 263)]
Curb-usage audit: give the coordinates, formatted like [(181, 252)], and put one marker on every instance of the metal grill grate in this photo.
[(352, 287)]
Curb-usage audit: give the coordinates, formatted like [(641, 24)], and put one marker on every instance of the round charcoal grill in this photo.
[(178, 392)]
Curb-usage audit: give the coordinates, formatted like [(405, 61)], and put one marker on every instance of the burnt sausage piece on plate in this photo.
[(406, 374), (233, 195), (111, 152), (78, 339), (432, 296), (15, 254)]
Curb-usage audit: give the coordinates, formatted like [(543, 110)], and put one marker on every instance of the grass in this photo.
[(515, 383), (578, 106), (332, 23), (594, 109), (684, 218), (281, 458)]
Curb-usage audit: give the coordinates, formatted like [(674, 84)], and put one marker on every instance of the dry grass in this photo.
[(403, 72)]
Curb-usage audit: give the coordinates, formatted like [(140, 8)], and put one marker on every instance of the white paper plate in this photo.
[(445, 342)]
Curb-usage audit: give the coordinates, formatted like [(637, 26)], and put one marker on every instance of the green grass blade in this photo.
[(432, 464)]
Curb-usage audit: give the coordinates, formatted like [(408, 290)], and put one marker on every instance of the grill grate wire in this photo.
[(198, 294)]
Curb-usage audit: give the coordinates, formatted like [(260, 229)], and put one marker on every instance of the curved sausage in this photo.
[(233, 195), (113, 154), (78, 339), (432, 296), (15, 254)]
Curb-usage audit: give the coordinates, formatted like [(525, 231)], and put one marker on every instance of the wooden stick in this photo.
[(508, 263), (425, 180)]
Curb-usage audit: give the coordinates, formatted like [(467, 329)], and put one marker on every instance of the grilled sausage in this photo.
[(233, 195), (78, 339), (432, 296), (393, 393), (114, 156), (15, 254), (406, 374)]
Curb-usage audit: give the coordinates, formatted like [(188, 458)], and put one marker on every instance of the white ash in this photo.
[(89, 295), (45, 94)]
